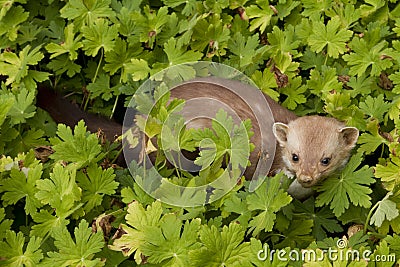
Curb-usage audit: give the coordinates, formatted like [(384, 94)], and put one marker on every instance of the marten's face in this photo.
[(314, 147)]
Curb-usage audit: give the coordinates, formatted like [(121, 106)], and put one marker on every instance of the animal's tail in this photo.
[(63, 111)]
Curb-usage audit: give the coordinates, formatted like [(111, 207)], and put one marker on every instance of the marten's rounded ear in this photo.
[(280, 131), (349, 135)]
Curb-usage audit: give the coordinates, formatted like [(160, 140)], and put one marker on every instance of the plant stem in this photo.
[(95, 76), (176, 167), (373, 208), (369, 217), (119, 152), (114, 107), (98, 65), (326, 58)]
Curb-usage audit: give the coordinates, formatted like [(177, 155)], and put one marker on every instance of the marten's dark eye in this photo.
[(295, 158), (325, 161)]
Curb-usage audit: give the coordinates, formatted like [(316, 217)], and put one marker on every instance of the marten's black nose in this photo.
[(305, 180)]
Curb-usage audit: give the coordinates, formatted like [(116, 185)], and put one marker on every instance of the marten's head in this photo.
[(314, 147)]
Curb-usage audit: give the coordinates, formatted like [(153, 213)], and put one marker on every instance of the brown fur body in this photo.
[(311, 138)]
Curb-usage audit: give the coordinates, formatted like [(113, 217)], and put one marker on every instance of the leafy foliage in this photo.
[(13, 249), (80, 148), (352, 186), (78, 252), (96, 184), (269, 199), (20, 185), (227, 243), (16, 67), (333, 58), (328, 36)]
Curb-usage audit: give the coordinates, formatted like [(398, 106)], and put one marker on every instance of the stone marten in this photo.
[(309, 148)]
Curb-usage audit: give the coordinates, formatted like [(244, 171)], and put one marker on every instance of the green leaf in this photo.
[(139, 220), (30, 139), (324, 220), (395, 78), (186, 27), (329, 36), (171, 29), (47, 223), (96, 183), (375, 32), (284, 9), (352, 186), (171, 243), (212, 34), (151, 24), (371, 6), (5, 224), (323, 81), (370, 142), (348, 15), (80, 148), (123, 57), (340, 106), (63, 64), (266, 82), (283, 48), (260, 15), (243, 50), (5, 7), (101, 87), (283, 42), (60, 191), (394, 244), (11, 21), (170, 193), (22, 184), (138, 69), (304, 30), (23, 107), (389, 173), (315, 8), (70, 44), (6, 102), (222, 248), (84, 12), (207, 154), (226, 138), (177, 54), (361, 85), (14, 254), (16, 67), (33, 78), (298, 234), (135, 193), (99, 35), (188, 9), (267, 200), (386, 210), (366, 59), (78, 252), (174, 135), (294, 93), (382, 251), (311, 60), (235, 204), (375, 107)]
